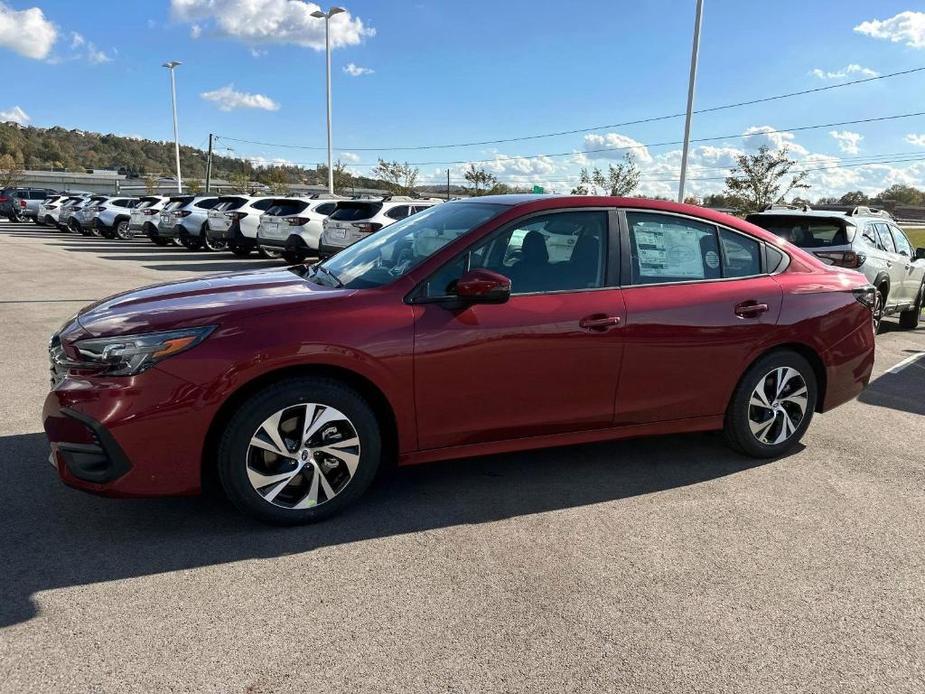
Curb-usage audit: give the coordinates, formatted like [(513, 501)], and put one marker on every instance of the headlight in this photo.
[(128, 355)]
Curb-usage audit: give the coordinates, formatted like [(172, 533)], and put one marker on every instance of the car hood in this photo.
[(199, 301)]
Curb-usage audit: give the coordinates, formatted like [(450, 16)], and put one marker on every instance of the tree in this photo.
[(241, 180), (398, 178), (277, 180), (10, 170), (151, 184), (482, 181), (620, 180), (903, 195), (342, 178), (854, 198), (763, 178), (193, 186)]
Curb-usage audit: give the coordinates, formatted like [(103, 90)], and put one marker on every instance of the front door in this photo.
[(697, 303), (545, 362)]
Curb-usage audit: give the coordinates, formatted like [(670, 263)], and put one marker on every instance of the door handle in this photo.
[(889, 263), (750, 309), (599, 322)]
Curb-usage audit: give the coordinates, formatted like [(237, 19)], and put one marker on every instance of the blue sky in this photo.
[(444, 72)]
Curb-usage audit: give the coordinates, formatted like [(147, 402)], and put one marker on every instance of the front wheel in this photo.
[(122, 230), (909, 320), (299, 451), (772, 406)]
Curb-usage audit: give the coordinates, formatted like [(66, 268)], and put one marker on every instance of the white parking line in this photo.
[(904, 363)]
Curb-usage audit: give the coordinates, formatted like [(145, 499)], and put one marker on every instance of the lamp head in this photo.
[(170, 65)]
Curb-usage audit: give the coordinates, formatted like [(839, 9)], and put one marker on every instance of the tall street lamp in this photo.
[(176, 133), (691, 83), (327, 48)]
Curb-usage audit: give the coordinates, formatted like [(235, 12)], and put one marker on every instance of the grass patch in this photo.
[(916, 236)]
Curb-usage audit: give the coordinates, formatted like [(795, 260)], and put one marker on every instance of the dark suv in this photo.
[(17, 204)]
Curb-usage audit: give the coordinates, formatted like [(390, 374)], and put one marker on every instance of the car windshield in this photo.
[(388, 254), (805, 232)]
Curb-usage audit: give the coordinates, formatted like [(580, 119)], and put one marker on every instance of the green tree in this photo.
[(151, 183), (399, 178), (278, 181), (763, 178), (902, 195), (194, 186), (855, 197), (482, 181), (620, 179), (10, 170)]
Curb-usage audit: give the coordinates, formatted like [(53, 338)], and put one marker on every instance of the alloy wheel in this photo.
[(877, 314), (303, 456), (777, 405), (122, 231)]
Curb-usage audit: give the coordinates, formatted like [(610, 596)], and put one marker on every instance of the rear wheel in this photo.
[(268, 253), (74, 227), (122, 230), (158, 241), (878, 311), (299, 451), (241, 251), (909, 320), (210, 244), (293, 257), (772, 406)]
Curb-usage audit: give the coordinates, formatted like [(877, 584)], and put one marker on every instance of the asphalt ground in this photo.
[(652, 565)]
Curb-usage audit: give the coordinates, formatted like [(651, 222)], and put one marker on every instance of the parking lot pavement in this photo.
[(654, 565)]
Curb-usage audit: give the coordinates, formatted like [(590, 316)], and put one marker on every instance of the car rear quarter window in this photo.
[(264, 204), (207, 204), (741, 254), (326, 208), (397, 212), (805, 232), (352, 211), (286, 208)]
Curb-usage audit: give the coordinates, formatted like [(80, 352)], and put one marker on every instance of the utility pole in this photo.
[(447, 184), (692, 81), (209, 167), (318, 14), (172, 65)]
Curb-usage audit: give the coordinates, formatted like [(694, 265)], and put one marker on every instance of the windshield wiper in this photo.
[(321, 268)]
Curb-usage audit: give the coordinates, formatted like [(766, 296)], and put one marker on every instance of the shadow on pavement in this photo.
[(55, 537), (903, 391)]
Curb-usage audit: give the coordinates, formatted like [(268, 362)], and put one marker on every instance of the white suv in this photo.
[(185, 218), (292, 226), (357, 219), (107, 217), (864, 239), (145, 215), (234, 221)]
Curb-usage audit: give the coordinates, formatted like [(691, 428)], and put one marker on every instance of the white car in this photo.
[(68, 218), (185, 218), (234, 221), (50, 208), (107, 216), (357, 219), (293, 226), (144, 217)]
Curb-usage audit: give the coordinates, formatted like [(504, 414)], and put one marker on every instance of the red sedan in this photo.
[(474, 327)]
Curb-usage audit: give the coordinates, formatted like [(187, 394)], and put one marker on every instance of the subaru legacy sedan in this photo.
[(475, 327)]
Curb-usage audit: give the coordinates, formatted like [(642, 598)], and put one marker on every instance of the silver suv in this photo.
[(357, 219), (108, 217), (864, 239), (185, 218)]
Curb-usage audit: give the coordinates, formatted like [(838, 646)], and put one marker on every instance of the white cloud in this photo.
[(96, 56), (258, 52), (620, 144), (272, 21), (355, 70), (77, 40), (847, 71), (15, 115), (848, 142), (228, 99), (908, 27), (26, 32), (759, 135), (917, 140), (195, 31), (349, 157)]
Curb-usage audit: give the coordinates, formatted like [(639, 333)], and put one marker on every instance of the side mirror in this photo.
[(483, 287), (920, 253)]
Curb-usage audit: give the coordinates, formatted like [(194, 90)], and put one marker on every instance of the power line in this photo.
[(577, 131)]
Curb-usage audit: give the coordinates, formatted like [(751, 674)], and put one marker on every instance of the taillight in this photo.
[(367, 227), (182, 213), (4, 198), (22, 203), (848, 259), (98, 208), (297, 221), (866, 295), (150, 212), (236, 216), (51, 207)]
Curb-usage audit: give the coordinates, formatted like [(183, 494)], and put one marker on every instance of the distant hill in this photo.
[(79, 150)]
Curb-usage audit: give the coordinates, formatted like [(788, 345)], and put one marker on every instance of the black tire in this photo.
[(269, 254), (108, 233), (878, 311), (158, 241), (241, 251), (234, 444), (293, 257), (74, 227), (737, 429), (37, 222), (121, 230), (50, 222), (191, 243), (909, 320), (207, 244)]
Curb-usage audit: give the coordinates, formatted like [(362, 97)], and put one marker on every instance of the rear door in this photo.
[(895, 263), (698, 300), (912, 270)]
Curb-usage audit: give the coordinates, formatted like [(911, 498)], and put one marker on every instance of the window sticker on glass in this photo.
[(668, 251)]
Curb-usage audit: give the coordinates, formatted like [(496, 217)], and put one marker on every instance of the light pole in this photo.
[(170, 65), (327, 49), (692, 81)]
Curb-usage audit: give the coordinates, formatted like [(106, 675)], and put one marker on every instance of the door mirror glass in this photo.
[(483, 287)]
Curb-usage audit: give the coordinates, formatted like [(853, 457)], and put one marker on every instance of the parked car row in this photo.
[(292, 227)]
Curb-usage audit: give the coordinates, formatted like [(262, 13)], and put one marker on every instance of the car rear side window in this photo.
[(398, 212), (665, 248), (805, 232), (352, 211), (741, 255), (326, 208), (207, 204), (285, 208), (264, 204)]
